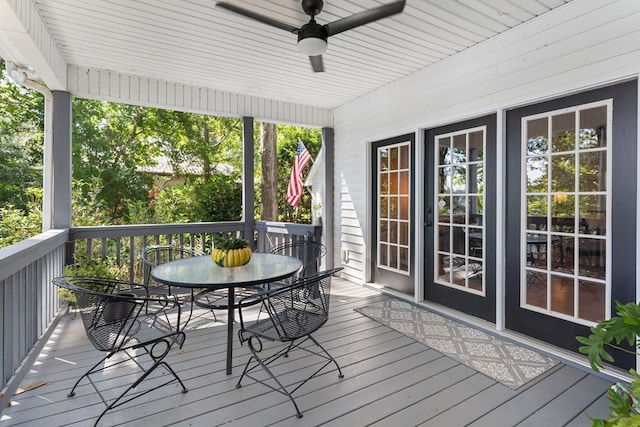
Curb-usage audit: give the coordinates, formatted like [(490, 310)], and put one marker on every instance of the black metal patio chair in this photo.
[(159, 254), (117, 321), (310, 253), (288, 315)]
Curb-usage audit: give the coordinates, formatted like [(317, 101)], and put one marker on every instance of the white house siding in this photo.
[(109, 85), (583, 44)]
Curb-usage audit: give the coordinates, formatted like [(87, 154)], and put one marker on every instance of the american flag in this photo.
[(295, 190)]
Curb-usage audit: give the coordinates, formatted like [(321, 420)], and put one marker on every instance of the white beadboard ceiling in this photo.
[(193, 42)]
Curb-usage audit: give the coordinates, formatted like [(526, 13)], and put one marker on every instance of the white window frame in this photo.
[(523, 220), (407, 221), (436, 236)]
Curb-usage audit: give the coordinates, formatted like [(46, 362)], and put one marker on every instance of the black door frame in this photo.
[(388, 278), (550, 329), (483, 307)]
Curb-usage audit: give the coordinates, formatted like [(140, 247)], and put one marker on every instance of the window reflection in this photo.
[(564, 236), (394, 207), (460, 204)]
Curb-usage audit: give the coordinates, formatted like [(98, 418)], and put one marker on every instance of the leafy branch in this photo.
[(625, 327)]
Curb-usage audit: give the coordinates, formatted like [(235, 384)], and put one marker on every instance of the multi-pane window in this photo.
[(393, 207), (566, 206), (460, 239)]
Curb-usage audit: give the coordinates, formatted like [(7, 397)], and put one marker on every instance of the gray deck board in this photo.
[(569, 405), (390, 380)]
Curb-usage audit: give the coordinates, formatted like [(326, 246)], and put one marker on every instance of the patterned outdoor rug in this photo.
[(504, 361)]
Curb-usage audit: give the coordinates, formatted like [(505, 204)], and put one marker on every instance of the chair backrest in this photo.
[(159, 254), (308, 252), (294, 311), (107, 306)]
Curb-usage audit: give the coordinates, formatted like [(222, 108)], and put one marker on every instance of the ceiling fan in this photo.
[(312, 37)]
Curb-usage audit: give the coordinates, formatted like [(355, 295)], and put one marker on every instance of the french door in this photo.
[(571, 213), (460, 200), (392, 204)]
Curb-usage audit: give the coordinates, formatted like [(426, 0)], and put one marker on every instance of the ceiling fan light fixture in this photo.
[(312, 46)]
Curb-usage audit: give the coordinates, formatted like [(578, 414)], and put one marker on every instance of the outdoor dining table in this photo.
[(202, 273)]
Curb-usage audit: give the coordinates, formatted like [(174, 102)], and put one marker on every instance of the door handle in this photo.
[(428, 223)]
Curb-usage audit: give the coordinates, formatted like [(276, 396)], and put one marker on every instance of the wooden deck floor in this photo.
[(390, 380)]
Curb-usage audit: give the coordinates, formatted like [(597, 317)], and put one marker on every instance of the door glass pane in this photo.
[(588, 293), (564, 236), (475, 180), (460, 148), (404, 234), (537, 171), (459, 199), (593, 165), (404, 208), (593, 123), (384, 183), (591, 214), (444, 151), (563, 132), (563, 172), (384, 207), (476, 146), (383, 154), (459, 179), (393, 207), (393, 158), (394, 201), (444, 180), (404, 183), (537, 212), (562, 296), (404, 157)]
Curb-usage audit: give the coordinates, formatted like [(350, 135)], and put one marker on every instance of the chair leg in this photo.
[(281, 388), (158, 360), (89, 372), (340, 374), (249, 367)]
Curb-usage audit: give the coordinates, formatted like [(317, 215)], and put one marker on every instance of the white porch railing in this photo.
[(29, 301)]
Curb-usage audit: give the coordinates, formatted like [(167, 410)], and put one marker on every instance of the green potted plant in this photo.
[(624, 398)]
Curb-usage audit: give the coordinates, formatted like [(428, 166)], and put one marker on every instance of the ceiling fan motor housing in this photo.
[(313, 30), (312, 7), (312, 39)]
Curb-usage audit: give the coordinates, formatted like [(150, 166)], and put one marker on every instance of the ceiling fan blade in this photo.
[(316, 63), (365, 17), (256, 16)]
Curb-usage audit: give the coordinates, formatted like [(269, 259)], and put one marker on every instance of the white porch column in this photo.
[(57, 164), (327, 197), (248, 189)]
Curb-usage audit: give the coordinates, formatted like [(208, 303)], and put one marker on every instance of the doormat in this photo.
[(504, 361)]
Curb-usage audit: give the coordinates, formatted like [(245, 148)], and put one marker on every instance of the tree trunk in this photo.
[(269, 198), (206, 162)]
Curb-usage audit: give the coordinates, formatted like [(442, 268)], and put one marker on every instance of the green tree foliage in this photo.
[(219, 199), (21, 136), (112, 140), (111, 143), (287, 144), (19, 224)]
